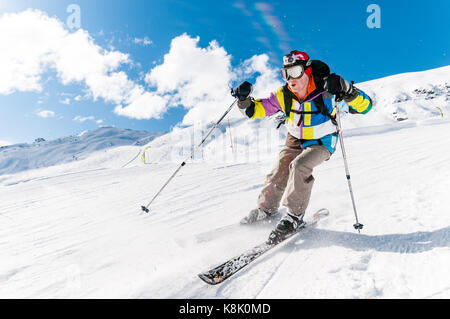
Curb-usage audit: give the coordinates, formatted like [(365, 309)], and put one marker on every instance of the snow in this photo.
[(74, 229)]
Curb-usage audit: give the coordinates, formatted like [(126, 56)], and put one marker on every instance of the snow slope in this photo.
[(75, 230)]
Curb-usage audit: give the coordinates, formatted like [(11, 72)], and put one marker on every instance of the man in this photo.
[(308, 102)]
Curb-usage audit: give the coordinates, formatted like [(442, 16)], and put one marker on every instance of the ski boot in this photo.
[(257, 215), (285, 227)]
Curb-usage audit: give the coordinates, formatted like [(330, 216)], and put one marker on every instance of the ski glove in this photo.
[(336, 85), (242, 93)]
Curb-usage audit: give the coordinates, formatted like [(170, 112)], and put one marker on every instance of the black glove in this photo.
[(242, 91), (336, 85)]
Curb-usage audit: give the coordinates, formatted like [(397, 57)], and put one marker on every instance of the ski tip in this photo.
[(209, 280)]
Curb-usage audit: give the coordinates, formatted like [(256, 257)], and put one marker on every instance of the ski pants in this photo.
[(293, 178)]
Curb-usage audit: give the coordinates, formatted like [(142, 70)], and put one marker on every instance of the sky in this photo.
[(71, 66)]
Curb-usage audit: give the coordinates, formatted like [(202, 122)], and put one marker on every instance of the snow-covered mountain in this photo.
[(20, 157), (413, 96), (75, 229)]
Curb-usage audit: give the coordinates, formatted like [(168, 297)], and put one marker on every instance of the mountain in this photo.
[(413, 96), (20, 157), (76, 230)]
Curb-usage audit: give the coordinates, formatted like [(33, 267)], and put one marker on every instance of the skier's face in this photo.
[(299, 85)]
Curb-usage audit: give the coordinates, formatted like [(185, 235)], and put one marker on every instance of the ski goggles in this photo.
[(294, 72)]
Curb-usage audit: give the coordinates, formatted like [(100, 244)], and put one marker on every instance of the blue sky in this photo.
[(414, 36)]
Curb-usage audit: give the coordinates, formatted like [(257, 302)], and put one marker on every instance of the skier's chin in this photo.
[(295, 88)]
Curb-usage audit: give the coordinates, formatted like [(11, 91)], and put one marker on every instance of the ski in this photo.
[(229, 268)]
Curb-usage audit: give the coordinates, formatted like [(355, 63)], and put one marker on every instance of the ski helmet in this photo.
[(295, 63)]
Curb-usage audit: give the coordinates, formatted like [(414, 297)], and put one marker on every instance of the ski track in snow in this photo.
[(81, 234)]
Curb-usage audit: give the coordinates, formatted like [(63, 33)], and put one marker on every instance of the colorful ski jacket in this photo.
[(310, 120)]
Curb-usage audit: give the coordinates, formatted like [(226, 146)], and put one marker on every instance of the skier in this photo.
[(307, 102)]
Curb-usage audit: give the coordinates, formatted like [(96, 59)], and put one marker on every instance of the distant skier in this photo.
[(307, 102)]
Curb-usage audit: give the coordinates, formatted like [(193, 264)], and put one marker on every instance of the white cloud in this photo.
[(65, 101), (45, 113), (188, 66), (199, 78), (268, 79), (194, 77), (82, 119), (32, 43), (143, 41), (144, 105)]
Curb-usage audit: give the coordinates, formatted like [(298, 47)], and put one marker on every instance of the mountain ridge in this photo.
[(41, 153)]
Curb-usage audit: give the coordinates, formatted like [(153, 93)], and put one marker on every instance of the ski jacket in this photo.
[(309, 120)]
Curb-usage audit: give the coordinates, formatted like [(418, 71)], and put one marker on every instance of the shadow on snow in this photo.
[(411, 243)]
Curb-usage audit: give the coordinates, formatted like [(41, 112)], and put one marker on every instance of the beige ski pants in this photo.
[(292, 177)]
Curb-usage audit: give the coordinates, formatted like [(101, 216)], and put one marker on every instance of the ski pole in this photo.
[(357, 225), (145, 208)]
